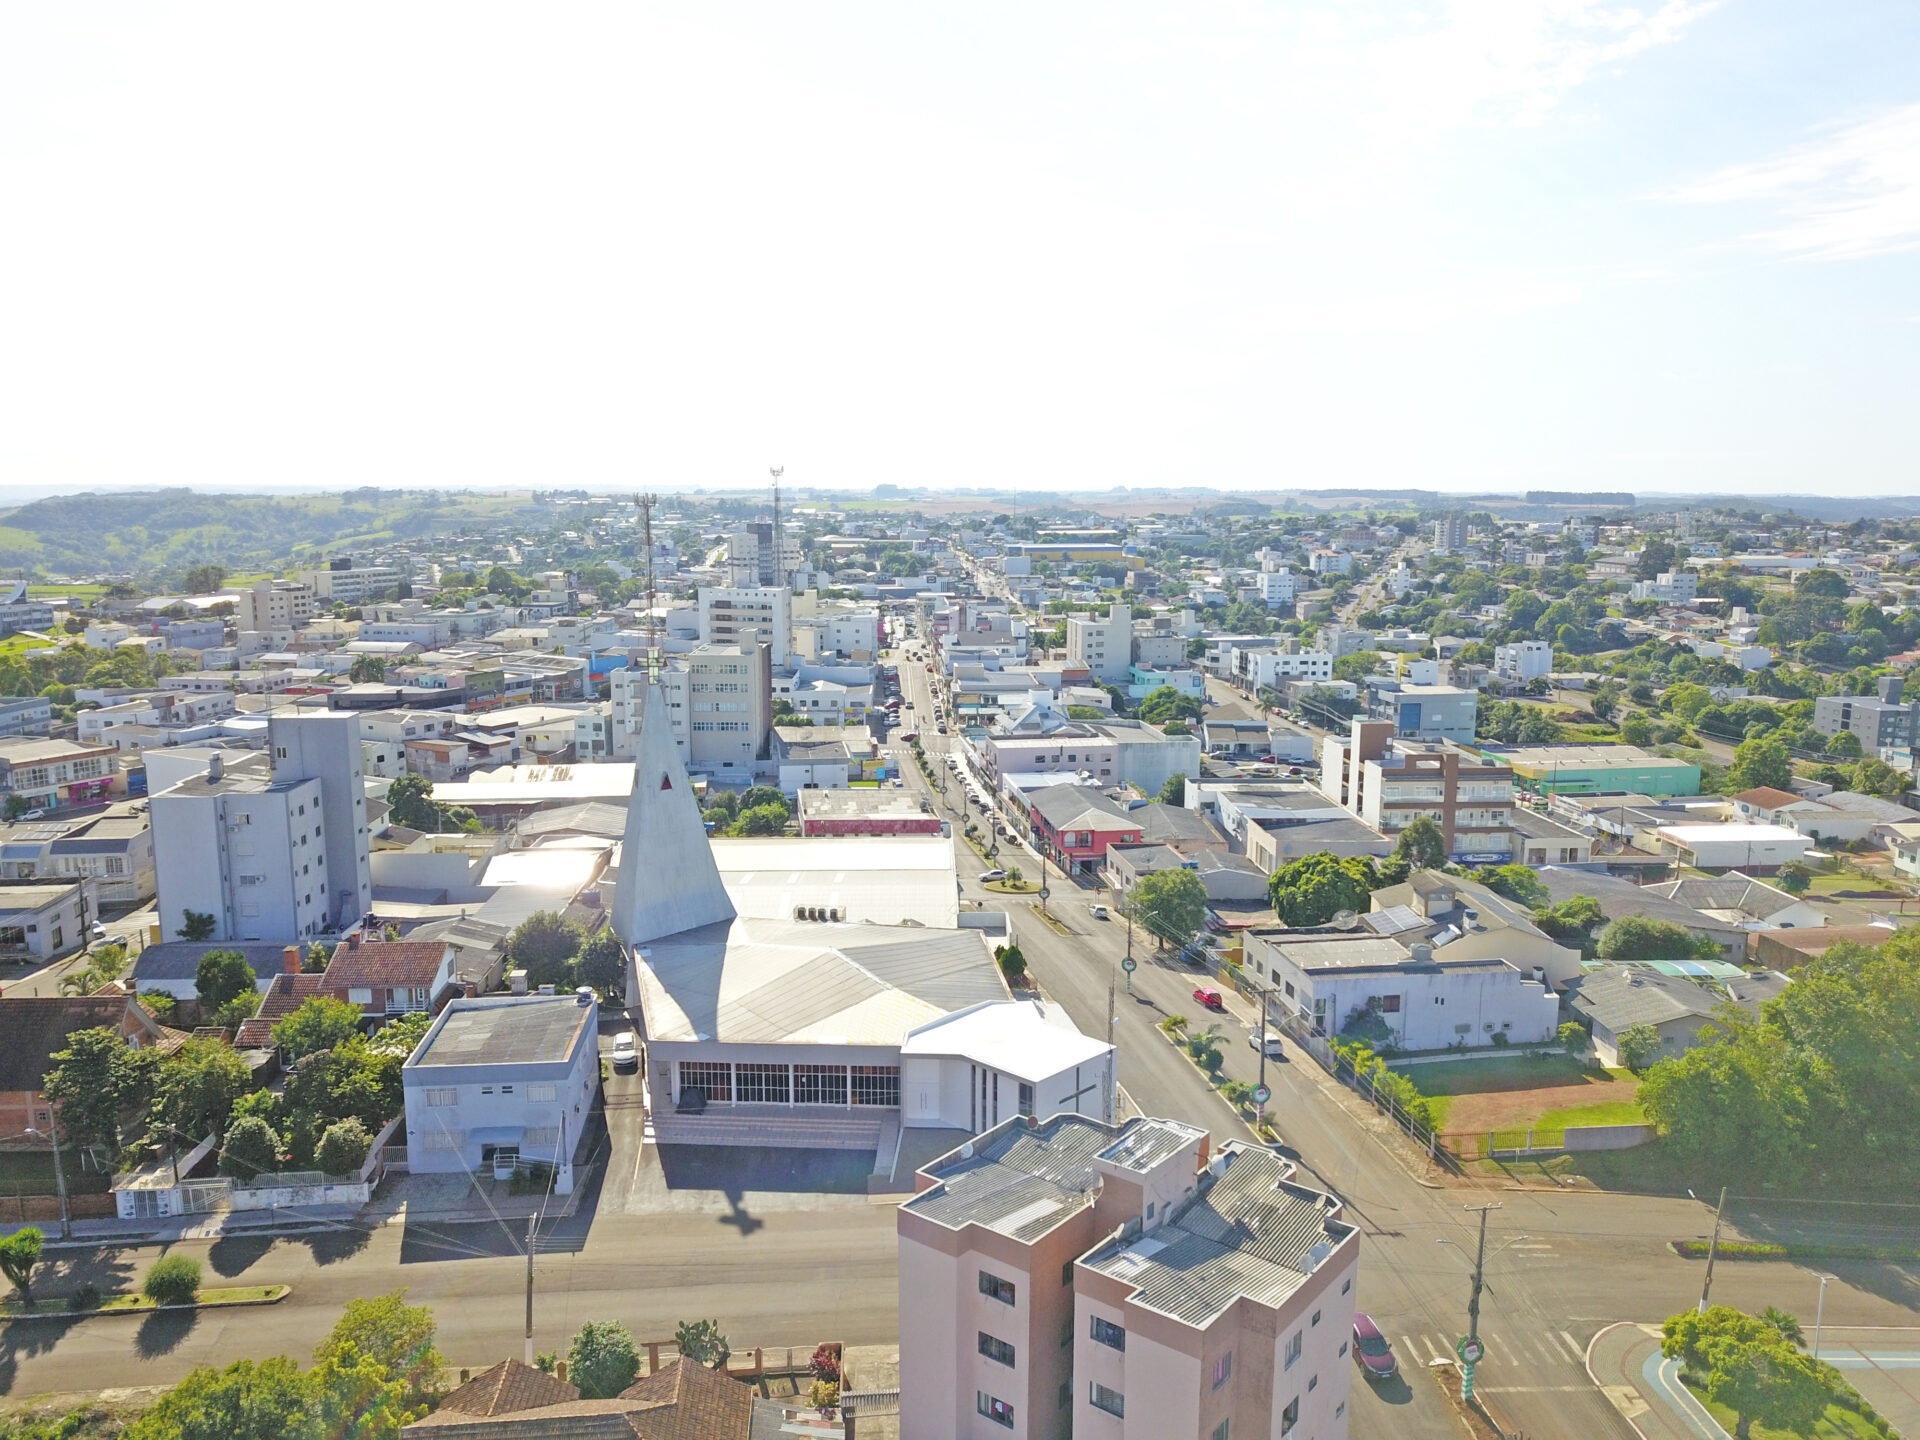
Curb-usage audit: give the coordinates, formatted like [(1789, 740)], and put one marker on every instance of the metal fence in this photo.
[(1365, 1085)]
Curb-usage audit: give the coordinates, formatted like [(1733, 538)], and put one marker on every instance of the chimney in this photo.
[(216, 767), (470, 989), (290, 959), (353, 940)]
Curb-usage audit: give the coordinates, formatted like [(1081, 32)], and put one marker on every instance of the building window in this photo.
[(713, 1079), (1346, 1285), (442, 1097), (1026, 1098), (820, 1084), (1313, 1383), (1066, 1393), (1293, 1348), (1315, 1320), (1290, 1416), (998, 1411), (1220, 1431), (758, 1082), (542, 1094), (994, 1288), (1066, 1273), (876, 1085), (1066, 1332), (998, 1351), (1390, 1004), (1105, 1332), (1101, 1398), (1223, 1370)]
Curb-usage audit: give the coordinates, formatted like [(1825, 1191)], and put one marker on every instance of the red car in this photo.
[(911, 736), (1370, 1350), (1209, 998)]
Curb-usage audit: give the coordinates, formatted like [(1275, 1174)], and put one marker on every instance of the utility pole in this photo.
[(59, 1173), (1110, 1016), (1713, 1246), (1260, 1106), (531, 1220), (1470, 1348)]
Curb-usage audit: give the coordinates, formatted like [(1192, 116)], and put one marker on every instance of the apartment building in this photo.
[(1264, 669), (1276, 587), (19, 611), (1064, 1277), (30, 716), (1881, 720), (754, 560), (1525, 660), (269, 605), (112, 848), (1449, 534), (1104, 648), (1388, 783), (1669, 587), (728, 615), (344, 583), (718, 700)]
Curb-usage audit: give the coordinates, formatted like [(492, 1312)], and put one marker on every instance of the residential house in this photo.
[(1743, 901), (45, 920), (1616, 999), (1619, 898), (172, 967), (33, 1029), (113, 848), (390, 977)]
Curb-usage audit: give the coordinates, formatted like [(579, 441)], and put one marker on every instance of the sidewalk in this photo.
[(92, 1234), (1624, 1360)]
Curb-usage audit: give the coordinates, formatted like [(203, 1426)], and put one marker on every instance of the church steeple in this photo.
[(668, 879)]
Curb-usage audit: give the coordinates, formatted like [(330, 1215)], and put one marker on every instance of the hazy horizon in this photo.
[(1660, 247)]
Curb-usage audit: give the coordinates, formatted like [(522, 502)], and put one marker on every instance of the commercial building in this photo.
[(1748, 848), (501, 1081), (1425, 712), (1068, 1277), (44, 921), (1594, 770), (114, 849), (48, 773), (1266, 668), (20, 611), (866, 812), (1669, 587), (1075, 825), (344, 583), (32, 715)]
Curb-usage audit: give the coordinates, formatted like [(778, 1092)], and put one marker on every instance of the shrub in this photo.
[(823, 1394), (87, 1297), (824, 1365), (173, 1280), (343, 1148), (602, 1360)]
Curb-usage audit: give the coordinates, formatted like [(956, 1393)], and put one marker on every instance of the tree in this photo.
[(19, 1253), (195, 1089), (1313, 889), (1573, 1038), (410, 803), (1639, 1045), (270, 1400), (1795, 877), (544, 945), (89, 1082), (603, 962), (356, 1396), (602, 1359), (221, 976), (1770, 1383), (318, 956), (401, 1035), (1174, 792), (1873, 776), (1572, 920), (250, 1149), (351, 1080), (1821, 583), (1844, 746), (1013, 964), (319, 1024), (196, 925), (1167, 703), (760, 820), (1517, 883), (205, 579), (1656, 557), (1761, 761), (396, 1335), (1786, 1324), (367, 670), (1170, 905), (701, 1342), (1421, 846), (173, 1280), (343, 1147), (1633, 937)]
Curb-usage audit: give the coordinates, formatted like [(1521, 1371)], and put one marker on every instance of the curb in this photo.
[(144, 1310), (1595, 1379)]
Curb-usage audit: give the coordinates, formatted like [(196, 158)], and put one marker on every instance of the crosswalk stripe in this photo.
[(1579, 1355)]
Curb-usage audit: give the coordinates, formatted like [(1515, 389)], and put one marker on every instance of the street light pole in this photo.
[(1713, 1247), (59, 1173), (530, 1224), (1819, 1314)]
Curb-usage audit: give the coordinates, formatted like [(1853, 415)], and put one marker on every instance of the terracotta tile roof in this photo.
[(507, 1387), (385, 962), (680, 1401), (33, 1027), (1765, 797), (285, 995)]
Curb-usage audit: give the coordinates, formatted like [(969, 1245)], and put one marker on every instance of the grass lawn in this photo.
[(1607, 1112), (1013, 887), (32, 1170), (1503, 1072), (1834, 884), (115, 1304), (19, 644), (1837, 1424), (78, 592)]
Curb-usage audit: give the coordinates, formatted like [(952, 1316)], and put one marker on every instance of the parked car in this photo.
[(34, 815), (626, 1052), (1099, 912), (1269, 759), (1274, 1051), (1209, 998), (910, 736), (986, 875), (1370, 1349)]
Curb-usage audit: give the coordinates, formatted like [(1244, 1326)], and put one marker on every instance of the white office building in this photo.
[(725, 615), (1104, 647), (1522, 661)]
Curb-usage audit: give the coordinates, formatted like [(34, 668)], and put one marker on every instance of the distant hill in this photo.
[(152, 534)]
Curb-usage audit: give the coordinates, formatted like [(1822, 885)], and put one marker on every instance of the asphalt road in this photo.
[(1569, 1262)]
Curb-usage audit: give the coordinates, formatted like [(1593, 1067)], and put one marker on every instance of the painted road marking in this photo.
[(1579, 1355)]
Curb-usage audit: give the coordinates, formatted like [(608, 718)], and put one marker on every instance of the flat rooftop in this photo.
[(861, 804), (1581, 757), (512, 1030), (535, 784)]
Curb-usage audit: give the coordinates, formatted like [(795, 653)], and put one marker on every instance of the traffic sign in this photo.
[(1129, 964), (1469, 1350), (1043, 892), (1262, 1094)]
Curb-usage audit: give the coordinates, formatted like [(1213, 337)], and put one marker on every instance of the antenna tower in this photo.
[(779, 548)]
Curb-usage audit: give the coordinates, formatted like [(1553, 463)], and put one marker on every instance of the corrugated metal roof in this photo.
[(1019, 1182)]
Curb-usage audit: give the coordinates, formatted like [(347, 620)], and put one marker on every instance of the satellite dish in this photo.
[(1345, 920), (966, 1151)]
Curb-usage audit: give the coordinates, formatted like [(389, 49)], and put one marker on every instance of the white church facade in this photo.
[(771, 1030)]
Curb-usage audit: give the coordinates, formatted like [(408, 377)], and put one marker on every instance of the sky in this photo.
[(1650, 245)]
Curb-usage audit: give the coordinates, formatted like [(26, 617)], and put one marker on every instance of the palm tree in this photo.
[(1788, 1327)]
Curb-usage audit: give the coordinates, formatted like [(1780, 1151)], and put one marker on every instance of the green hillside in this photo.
[(156, 534)]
